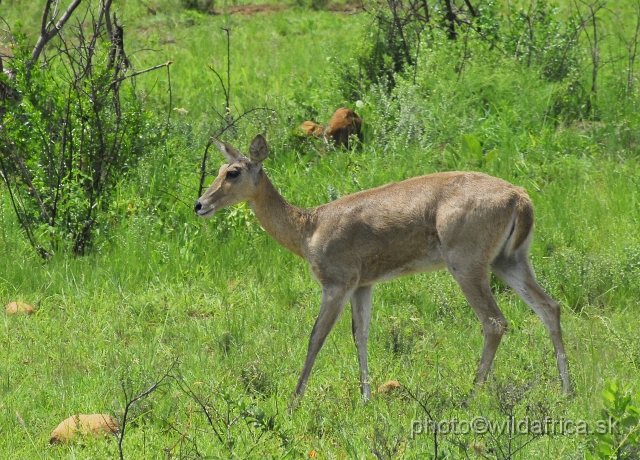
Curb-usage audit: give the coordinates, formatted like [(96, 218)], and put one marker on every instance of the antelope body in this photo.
[(467, 222), (344, 123)]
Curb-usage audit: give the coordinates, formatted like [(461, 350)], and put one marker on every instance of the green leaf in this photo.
[(605, 438), (608, 397), (623, 401), (605, 450), (471, 146), (629, 421), (489, 157), (611, 386), (450, 153)]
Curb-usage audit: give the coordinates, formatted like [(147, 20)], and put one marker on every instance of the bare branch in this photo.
[(451, 20), (45, 15), (170, 95), (47, 33), (393, 6), (125, 77), (224, 88), (106, 8), (472, 10), (130, 400)]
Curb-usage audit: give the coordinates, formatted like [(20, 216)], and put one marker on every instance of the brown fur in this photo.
[(312, 129), (343, 124), (467, 222)]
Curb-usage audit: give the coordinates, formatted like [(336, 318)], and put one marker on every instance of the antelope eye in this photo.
[(233, 173)]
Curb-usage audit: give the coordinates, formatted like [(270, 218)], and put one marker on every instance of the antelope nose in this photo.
[(197, 206)]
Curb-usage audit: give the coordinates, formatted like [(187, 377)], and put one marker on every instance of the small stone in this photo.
[(14, 308), (83, 424), (389, 386)]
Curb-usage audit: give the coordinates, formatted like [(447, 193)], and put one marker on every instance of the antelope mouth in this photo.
[(203, 211), (206, 212)]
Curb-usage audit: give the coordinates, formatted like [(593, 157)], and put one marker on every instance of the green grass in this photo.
[(266, 71), (225, 306), (236, 310)]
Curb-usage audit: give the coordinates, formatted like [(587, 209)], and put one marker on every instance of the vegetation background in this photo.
[(192, 332)]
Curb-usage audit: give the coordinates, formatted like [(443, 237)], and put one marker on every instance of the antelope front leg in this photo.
[(360, 319), (334, 300)]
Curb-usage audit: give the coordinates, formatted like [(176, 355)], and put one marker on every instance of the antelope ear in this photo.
[(259, 150), (230, 153)]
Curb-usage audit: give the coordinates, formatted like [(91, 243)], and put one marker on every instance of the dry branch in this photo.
[(139, 72), (48, 30)]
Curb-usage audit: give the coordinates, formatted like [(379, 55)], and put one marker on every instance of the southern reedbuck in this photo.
[(467, 222), (343, 124)]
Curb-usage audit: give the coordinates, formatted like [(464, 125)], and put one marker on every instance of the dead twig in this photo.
[(140, 72)]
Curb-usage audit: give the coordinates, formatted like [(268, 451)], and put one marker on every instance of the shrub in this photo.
[(74, 129)]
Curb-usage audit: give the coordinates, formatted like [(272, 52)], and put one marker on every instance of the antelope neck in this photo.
[(289, 225)]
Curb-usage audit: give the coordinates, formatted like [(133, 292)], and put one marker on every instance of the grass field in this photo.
[(218, 315)]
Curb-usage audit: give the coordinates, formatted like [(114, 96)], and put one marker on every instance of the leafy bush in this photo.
[(69, 136), (559, 47), (536, 36), (622, 441)]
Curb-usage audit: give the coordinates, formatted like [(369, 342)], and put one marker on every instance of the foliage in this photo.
[(565, 49), (69, 137), (241, 427), (386, 50), (237, 309), (536, 34), (622, 438), (471, 152)]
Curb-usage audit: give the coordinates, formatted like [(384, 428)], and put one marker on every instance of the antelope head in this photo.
[(237, 181)]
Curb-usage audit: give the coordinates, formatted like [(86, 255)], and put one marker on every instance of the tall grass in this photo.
[(236, 309)]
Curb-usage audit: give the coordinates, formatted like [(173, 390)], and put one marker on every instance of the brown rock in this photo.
[(93, 424), (389, 386), (13, 308)]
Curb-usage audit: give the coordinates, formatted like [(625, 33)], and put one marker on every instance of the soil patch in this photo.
[(250, 10)]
